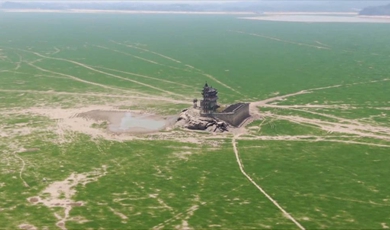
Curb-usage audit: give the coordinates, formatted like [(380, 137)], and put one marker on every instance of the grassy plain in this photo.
[(321, 154)]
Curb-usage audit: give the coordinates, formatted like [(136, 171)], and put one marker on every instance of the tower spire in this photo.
[(210, 97)]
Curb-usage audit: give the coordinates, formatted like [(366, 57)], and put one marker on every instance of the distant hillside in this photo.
[(376, 10)]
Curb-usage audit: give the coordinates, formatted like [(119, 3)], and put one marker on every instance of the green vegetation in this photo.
[(325, 185), (322, 154)]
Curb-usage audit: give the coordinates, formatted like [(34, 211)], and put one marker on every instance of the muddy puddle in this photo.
[(130, 121)]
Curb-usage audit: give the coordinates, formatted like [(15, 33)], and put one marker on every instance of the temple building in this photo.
[(234, 114), (209, 103)]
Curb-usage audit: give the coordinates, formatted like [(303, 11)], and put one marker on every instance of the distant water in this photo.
[(129, 122)]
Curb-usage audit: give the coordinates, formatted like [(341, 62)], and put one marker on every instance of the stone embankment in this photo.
[(191, 119)]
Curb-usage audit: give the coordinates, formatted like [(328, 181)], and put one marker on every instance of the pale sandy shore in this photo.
[(310, 13), (126, 12), (320, 18), (377, 17)]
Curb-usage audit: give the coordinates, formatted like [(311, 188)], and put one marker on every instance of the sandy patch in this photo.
[(129, 98), (310, 18), (184, 216), (342, 125), (27, 227), (125, 12), (183, 155), (78, 219), (2, 134), (84, 120), (310, 13), (67, 120), (60, 193), (376, 16), (130, 121), (355, 128), (121, 215)]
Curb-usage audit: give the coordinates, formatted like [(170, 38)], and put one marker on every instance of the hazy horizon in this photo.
[(190, 5)]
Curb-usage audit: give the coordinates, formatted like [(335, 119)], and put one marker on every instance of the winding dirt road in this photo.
[(240, 165)]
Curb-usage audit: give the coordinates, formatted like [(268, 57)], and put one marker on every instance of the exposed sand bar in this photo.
[(319, 19), (310, 13), (376, 16), (126, 12)]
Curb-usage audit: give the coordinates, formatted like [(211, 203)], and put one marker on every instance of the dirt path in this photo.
[(183, 215), (286, 214), (265, 102), (56, 51), (148, 77), (278, 98), (322, 44), (77, 79), (104, 73), (219, 82), (343, 125), (314, 139), (59, 194), (21, 169), (121, 215), (361, 130), (127, 54), (347, 126), (19, 63), (282, 97), (281, 40), (307, 106), (148, 51), (140, 58), (199, 71), (100, 95)]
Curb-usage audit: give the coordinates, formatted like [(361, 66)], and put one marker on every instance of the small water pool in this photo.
[(138, 123), (130, 121)]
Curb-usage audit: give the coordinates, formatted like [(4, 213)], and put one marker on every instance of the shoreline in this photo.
[(375, 16), (312, 18), (125, 12), (310, 13)]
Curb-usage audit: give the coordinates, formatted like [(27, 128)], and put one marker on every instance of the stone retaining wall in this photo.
[(236, 115)]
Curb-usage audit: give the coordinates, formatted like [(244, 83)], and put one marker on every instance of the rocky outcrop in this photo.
[(191, 119)]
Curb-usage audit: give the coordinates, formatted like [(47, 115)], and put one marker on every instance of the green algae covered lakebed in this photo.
[(320, 148)]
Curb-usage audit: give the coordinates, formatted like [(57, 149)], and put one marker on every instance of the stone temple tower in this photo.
[(209, 103)]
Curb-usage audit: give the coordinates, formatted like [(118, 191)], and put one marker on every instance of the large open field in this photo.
[(318, 158)]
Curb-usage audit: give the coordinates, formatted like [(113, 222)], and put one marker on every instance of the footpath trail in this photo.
[(147, 77), (21, 169), (75, 78), (146, 50), (99, 95), (281, 40), (240, 165), (105, 73), (141, 58), (340, 125), (198, 71)]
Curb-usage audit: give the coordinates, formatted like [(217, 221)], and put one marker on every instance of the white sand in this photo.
[(125, 12), (319, 18)]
